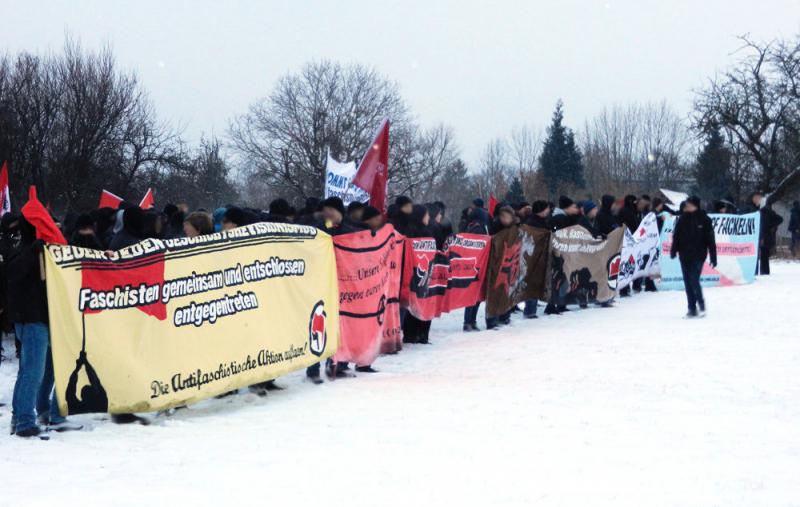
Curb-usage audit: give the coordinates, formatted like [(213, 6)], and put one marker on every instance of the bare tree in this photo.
[(285, 137), (756, 102), (493, 177), (635, 147), (72, 124)]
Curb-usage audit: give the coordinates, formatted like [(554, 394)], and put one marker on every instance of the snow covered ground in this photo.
[(623, 406)]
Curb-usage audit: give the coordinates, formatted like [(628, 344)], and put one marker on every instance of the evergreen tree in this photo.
[(712, 171), (515, 194), (561, 162)]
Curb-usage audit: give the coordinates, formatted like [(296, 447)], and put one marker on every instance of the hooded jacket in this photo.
[(606, 221), (629, 215), (27, 292)]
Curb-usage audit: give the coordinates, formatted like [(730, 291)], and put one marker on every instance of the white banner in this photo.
[(338, 178), (641, 252)]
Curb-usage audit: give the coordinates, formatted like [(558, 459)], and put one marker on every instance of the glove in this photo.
[(713, 263), (672, 255)]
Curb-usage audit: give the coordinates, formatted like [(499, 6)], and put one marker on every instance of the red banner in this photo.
[(369, 315), (437, 282)]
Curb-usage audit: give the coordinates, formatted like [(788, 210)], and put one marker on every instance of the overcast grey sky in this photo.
[(481, 67)]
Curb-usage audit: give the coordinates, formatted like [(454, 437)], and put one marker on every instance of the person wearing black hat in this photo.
[(234, 217), (334, 223), (538, 217), (629, 217), (355, 211), (770, 221), (279, 211), (371, 218), (606, 221), (416, 330), (401, 216), (84, 235), (133, 229), (693, 240), (474, 224), (504, 219), (444, 222), (629, 214), (565, 215)]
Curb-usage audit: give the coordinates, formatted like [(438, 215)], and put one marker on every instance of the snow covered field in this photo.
[(623, 406)]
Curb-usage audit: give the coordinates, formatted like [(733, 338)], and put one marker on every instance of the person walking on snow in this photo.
[(693, 241)]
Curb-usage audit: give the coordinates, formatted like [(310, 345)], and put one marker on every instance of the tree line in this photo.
[(74, 122)]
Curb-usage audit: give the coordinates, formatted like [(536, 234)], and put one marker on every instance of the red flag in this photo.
[(5, 197), (46, 229), (373, 172), (492, 205), (109, 200), (148, 201)]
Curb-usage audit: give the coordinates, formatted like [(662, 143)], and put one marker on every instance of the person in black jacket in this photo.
[(414, 329), (539, 216), (629, 214), (794, 226), (693, 240), (133, 225), (606, 221), (589, 219), (769, 228), (27, 309), (565, 215), (474, 225)]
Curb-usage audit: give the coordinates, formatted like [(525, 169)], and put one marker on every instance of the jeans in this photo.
[(471, 314), (691, 282), (33, 391), (530, 307)]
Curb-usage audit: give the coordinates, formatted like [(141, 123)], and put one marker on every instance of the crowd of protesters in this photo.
[(23, 299)]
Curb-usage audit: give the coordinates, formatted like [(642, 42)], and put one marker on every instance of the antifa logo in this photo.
[(613, 268), (317, 335), (581, 285), (508, 273), (642, 260), (432, 277), (628, 268)]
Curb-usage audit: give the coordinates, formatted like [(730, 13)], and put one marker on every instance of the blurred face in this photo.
[(190, 231), (506, 218), (689, 207), (757, 200), (544, 213), (356, 215), (374, 223), (331, 215), (426, 219), (572, 210), (407, 208), (592, 213), (643, 205), (227, 225)]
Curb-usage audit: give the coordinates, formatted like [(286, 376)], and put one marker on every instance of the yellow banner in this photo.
[(169, 322)]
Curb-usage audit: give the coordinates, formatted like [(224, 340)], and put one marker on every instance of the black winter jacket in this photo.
[(693, 237), (606, 221), (27, 293)]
